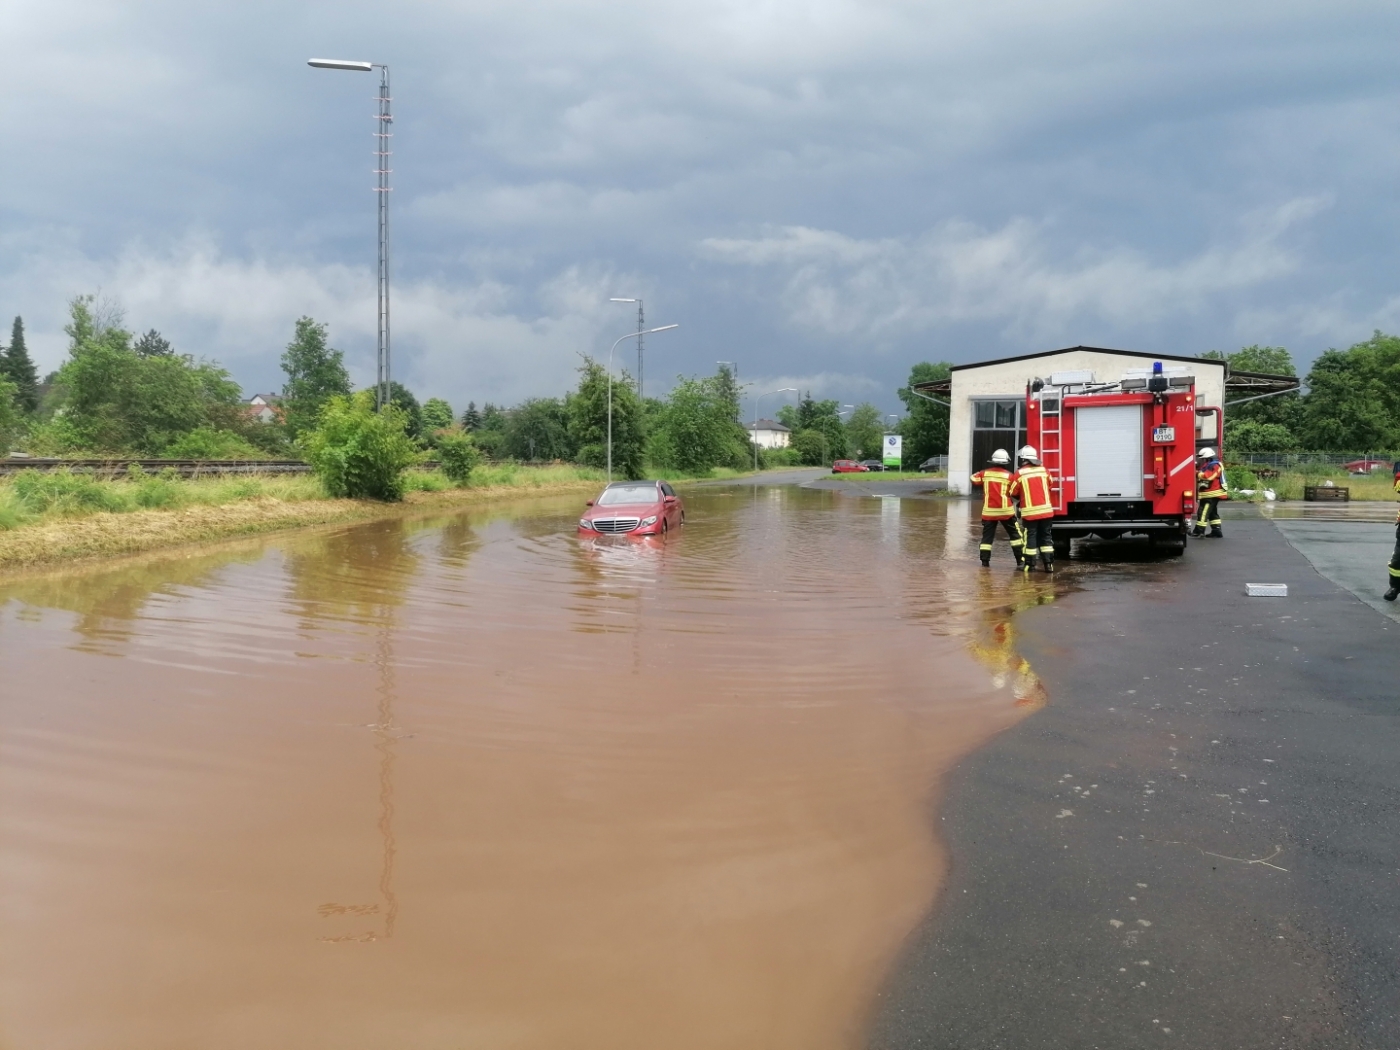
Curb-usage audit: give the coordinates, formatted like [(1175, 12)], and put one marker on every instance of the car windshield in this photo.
[(618, 494)]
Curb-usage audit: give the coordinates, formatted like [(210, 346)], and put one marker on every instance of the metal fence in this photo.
[(1304, 460), (185, 468)]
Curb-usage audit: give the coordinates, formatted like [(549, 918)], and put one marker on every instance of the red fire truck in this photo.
[(1121, 455)]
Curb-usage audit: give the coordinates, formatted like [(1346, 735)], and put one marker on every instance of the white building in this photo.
[(987, 399), (769, 433)]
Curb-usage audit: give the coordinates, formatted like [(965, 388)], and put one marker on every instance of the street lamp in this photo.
[(629, 335), (381, 171), (641, 323), (756, 400)]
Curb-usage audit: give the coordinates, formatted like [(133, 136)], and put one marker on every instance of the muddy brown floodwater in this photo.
[(471, 781)]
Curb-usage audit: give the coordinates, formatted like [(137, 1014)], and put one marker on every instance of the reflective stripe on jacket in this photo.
[(996, 492), (1397, 496), (1031, 486), (1210, 483)]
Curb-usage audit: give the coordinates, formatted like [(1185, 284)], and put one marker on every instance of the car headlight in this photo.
[(649, 521), (584, 523)]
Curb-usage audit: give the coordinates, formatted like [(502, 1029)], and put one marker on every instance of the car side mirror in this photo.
[(670, 499)]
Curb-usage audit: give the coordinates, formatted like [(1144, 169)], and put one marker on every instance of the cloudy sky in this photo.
[(823, 191)]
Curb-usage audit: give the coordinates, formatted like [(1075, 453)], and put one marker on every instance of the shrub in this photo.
[(64, 492), (780, 457), (360, 453), (458, 454), (208, 443), (812, 447)]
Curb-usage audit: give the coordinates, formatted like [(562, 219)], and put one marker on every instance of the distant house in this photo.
[(264, 408), (769, 433)]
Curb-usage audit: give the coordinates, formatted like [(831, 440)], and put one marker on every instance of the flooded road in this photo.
[(470, 781)]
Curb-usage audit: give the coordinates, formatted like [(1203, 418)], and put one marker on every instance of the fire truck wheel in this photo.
[(1061, 545)]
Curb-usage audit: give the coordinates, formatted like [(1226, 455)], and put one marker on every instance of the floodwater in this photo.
[(470, 781)]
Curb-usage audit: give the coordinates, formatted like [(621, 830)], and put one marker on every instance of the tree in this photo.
[(812, 447), (437, 415), (315, 374), (823, 416), (588, 421), (539, 429), (471, 418), (17, 367), (360, 453), (925, 425), (153, 344), (117, 401), (402, 398), (1353, 400), (9, 414), (699, 429), (493, 417), (864, 432)]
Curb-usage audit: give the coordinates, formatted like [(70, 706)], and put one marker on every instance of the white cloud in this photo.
[(1016, 276)]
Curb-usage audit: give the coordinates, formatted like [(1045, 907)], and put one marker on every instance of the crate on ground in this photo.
[(1326, 494), (1266, 590)]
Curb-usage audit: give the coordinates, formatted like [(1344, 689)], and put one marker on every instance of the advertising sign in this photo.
[(894, 452)]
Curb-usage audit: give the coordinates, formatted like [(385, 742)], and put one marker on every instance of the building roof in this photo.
[(768, 424), (1246, 383)]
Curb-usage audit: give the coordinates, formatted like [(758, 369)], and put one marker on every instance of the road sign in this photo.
[(894, 451)]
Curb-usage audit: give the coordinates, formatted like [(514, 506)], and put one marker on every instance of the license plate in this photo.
[(1165, 434)]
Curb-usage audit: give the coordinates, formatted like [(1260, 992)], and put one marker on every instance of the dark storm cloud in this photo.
[(826, 192)]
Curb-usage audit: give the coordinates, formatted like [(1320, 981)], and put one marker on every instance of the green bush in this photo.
[(360, 453), (64, 492), (208, 443), (1242, 478), (780, 457), (812, 448), (458, 454)]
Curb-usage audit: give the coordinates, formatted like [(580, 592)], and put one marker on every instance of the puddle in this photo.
[(471, 781)]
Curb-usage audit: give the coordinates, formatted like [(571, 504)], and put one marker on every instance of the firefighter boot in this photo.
[(1048, 560), (986, 560), (1215, 533), (1393, 583)]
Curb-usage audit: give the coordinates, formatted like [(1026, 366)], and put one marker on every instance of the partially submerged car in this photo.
[(633, 508)]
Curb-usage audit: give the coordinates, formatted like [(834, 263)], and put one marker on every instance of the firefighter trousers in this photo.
[(1038, 541), (989, 533), (1393, 576), (1209, 515)]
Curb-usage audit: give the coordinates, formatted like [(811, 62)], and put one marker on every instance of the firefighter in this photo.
[(1393, 580), (1030, 485), (997, 508), (1210, 490)]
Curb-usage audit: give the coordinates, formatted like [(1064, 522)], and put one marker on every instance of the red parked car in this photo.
[(1367, 466), (633, 508), (848, 466)]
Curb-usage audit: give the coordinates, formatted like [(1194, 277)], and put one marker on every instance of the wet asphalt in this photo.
[(1196, 844)]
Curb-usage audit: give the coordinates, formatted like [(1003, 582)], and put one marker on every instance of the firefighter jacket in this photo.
[(996, 493), (1397, 496), (1031, 487), (1210, 483)]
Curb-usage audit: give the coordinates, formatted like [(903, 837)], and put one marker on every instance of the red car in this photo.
[(1367, 466), (633, 508), (848, 466)]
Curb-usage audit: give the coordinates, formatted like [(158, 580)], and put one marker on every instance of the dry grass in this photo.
[(1290, 485), (82, 519)]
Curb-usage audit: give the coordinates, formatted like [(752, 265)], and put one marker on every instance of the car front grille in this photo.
[(616, 524)]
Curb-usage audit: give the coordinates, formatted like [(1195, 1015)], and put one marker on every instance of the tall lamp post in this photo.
[(629, 335), (756, 400), (641, 323), (382, 171)]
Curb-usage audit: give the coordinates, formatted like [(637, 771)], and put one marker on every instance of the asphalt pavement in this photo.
[(1197, 842)]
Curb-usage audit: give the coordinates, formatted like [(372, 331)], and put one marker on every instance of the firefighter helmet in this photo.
[(1206, 453), (1029, 453), (1001, 457)]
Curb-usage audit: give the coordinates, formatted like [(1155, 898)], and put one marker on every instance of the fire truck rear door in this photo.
[(1108, 450)]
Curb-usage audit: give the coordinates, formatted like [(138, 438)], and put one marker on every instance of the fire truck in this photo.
[(1121, 455)]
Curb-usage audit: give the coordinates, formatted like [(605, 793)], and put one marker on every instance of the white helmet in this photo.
[(1206, 453), (1002, 457), (1029, 453)]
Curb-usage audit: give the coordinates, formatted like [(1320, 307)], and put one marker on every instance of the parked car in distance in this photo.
[(633, 508), (873, 464), (933, 464), (848, 466), (1367, 466)]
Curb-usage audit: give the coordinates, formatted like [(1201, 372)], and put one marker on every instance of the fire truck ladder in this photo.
[(1050, 447)]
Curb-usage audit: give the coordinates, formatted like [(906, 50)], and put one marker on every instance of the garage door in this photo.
[(1108, 449)]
